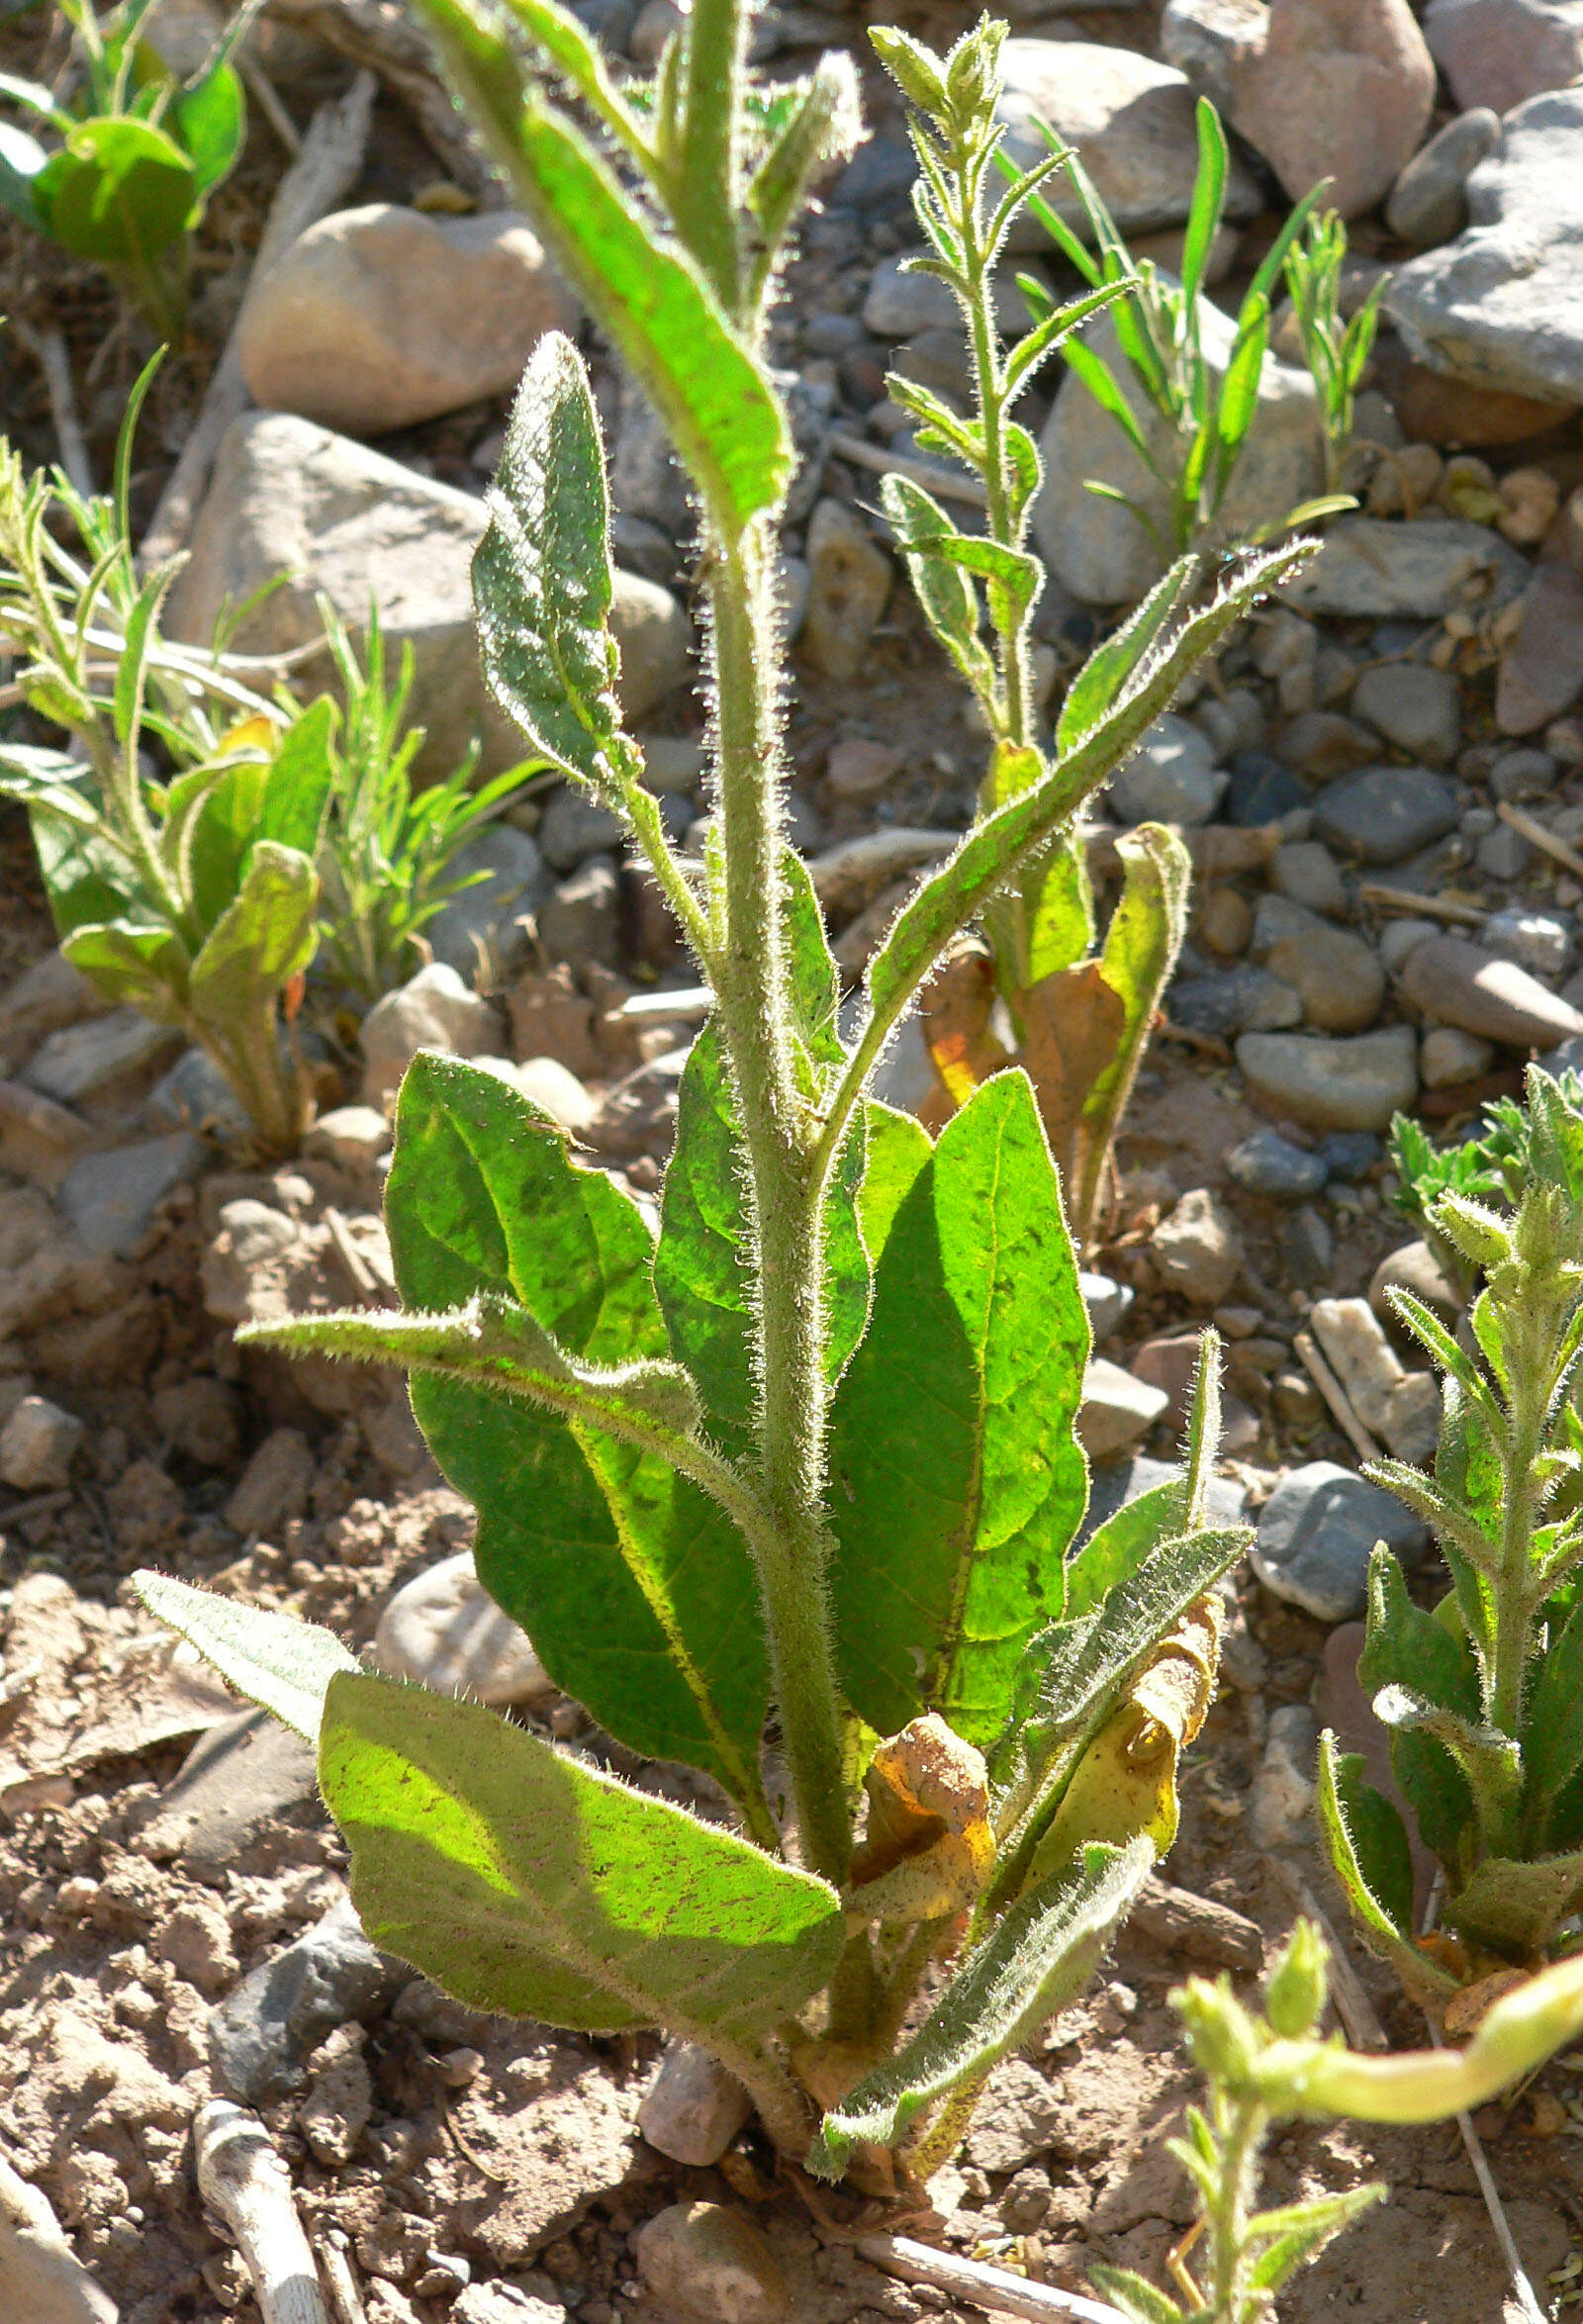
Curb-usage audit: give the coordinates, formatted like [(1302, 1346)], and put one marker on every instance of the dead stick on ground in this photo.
[(1336, 1396), (939, 479), (1411, 906), (245, 2183), (344, 2296), (325, 169), (993, 2288), (1530, 827), (48, 347)]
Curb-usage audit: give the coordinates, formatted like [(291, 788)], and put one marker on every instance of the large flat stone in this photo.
[(1343, 1084), (1501, 303), (1416, 571), (289, 499)]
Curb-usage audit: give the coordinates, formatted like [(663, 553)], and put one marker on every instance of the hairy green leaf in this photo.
[(1404, 1646), (525, 1881), (262, 940), (944, 590), (142, 963), (1036, 1959), (1517, 1908), (898, 1150), (1370, 1853), (120, 192), (277, 1661), (637, 1590), (541, 574), (1552, 1727), (958, 1482)]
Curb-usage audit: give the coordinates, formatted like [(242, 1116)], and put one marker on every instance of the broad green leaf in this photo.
[(88, 882), (209, 124), (1404, 1646), (995, 848), (525, 1881), (1515, 1907), (120, 193), (1044, 921), (898, 1150), (957, 1480), (636, 1591), (1491, 1762), (718, 408), (1369, 1854), (281, 798), (1040, 1955), (146, 965), (1114, 1550), (1552, 1727), (277, 1661), (262, 940), (541, 574)]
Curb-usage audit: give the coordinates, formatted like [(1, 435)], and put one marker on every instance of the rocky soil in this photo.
[(1382, 783)]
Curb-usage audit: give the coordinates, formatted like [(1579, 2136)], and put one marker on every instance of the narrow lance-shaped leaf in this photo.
[(541, 574), (718, 408), (279, 1662), (1038, 1957), (958, 1482), (525, 1881), (1367, 1845), (637, 1590)]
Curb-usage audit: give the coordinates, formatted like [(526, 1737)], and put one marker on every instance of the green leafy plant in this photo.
[(1080, 1012), (1272, 2068), (139, 155), (1159, 326), (194, 897), (702, 1483), (389, 854), (1336, 351), (1482, 1694)]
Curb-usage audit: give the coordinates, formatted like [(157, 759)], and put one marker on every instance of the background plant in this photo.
[(194, 897), (388, 861), (696, 1461), (1080, 1014), (1482, 1696), (1336, 352), (1207, 413), (139, 154), (1271, 2068)]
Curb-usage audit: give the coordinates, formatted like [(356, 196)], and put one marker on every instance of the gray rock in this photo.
[(1386, 813), (274, 1486), (195, 1095), (291, 498), (1498, 305), (1306, 873), (443, 1632), (1417, 709), (1131, 121), (1428, 201), (1537, 941), (352, 1137), (43, 999), (1118, 1482), (1503, 854), (1170, 777), (42, 2279), (86, 1059), (1497, 53), (237, 1778), (1107, 1302), (1117, 1410), (575, 826), (1196, 1248), (1098, 549), (1459, 983), (849, 584), (1353, 1084), (1325, 743), (37, 1445), (900, 303), (1336, 974), (111, 1198), (1316, 1534), (433, 1010), (693, 2108), (706, 2261), (1269, 1165), (1282, 1792), (1400, 939), (263, 2034), (1242, 999), (513, 881), (578, 919), (1426, 569), (647, 481), (1307, 1248), (1414, 1268), (1447, 1056), (377, 318), (1523, 773)]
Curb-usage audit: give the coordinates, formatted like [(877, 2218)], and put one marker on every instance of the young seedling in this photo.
[(1193, 423), (389, 854), (194, 896), (812, 1448), (1081, 1013), (138, 157), (1336, 351), (1483, 1695), (1272, 2068)]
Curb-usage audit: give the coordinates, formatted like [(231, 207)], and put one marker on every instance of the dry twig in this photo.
[(248, 2186), (1548, 842), (384, 38), (1336, 1396), (48, 347), (983, 2287)]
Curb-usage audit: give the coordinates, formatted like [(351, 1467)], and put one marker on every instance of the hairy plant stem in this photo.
[(272, 1087), (752, 988), (705, 193), (1240, 2129), (990, 387)]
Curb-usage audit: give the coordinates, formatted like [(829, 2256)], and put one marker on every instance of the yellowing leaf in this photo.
[(928, 1849)]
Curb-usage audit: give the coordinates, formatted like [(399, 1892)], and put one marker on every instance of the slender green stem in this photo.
[(990, 392), (1241, 2136), (752, 989), (1513, 1613), (783, 2108), (705, 195)]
